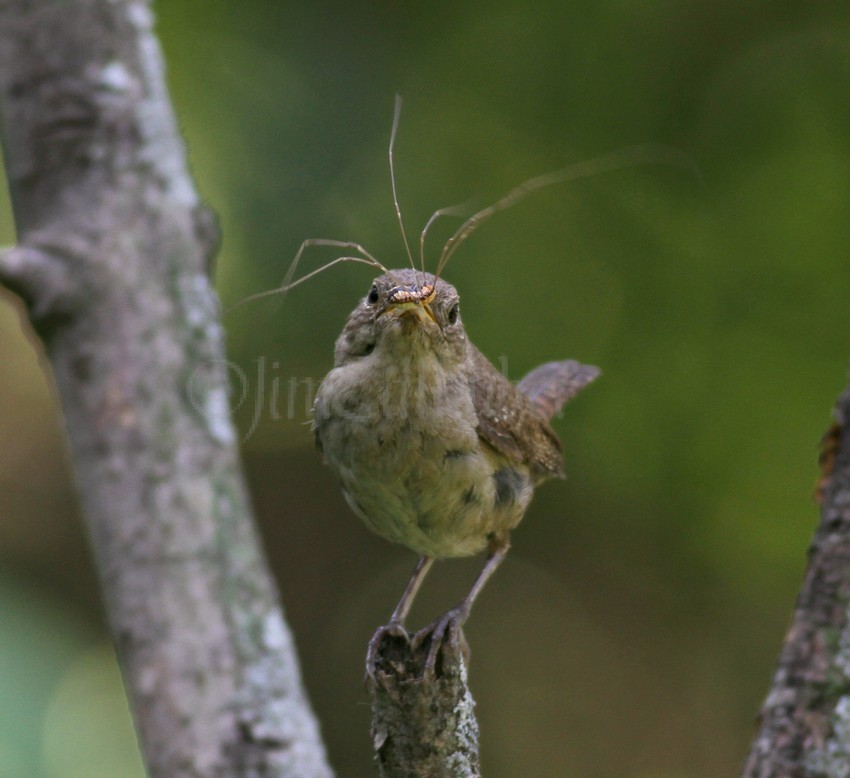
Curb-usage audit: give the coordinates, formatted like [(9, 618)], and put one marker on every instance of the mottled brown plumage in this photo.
[(510, 423)]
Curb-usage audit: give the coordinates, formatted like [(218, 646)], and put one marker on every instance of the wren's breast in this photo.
[(411, 464)]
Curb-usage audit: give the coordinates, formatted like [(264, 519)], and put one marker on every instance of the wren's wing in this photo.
[(551, 385), (510, 423)]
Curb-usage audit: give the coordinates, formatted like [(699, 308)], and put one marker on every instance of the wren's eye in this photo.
[(453, 313), (373, 295)]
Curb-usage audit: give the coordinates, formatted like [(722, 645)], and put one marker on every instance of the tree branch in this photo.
[(112, 261), (423, 728), (805, 721)]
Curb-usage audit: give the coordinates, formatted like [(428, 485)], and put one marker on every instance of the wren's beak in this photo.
[(418, 309)]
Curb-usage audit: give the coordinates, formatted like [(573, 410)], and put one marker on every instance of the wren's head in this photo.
[(405, 312)]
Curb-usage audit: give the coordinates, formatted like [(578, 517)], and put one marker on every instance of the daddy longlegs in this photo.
[(625, 157)]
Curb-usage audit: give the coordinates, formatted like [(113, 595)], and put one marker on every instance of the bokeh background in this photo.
[(634, 629)]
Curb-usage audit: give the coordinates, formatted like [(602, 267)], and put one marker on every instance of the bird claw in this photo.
[(394, 629), (447, 628), (444, 634)]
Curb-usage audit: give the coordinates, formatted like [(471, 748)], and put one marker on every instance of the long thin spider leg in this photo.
[(340, 244), (360, 260), (626, 157), (283, 289), (396, 119), (451, 210)]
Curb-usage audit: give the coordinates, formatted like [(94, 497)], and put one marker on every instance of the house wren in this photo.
[(433, 447)]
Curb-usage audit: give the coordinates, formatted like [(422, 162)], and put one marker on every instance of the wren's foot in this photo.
[(448, 629), (394, 629)]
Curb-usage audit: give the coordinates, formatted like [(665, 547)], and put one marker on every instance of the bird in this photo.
[(432, 446)]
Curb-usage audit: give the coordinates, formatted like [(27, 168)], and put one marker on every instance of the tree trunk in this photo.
[(804, 727), (112, 264)]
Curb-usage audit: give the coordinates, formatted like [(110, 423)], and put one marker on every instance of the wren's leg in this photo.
[(416, 579), (494, 559), (395, 626), (452, 621)]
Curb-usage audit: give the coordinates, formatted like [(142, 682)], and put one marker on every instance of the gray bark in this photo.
[(112, 266), (804, 727)]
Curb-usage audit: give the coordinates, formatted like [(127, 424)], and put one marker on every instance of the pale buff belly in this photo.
[(442, 492)]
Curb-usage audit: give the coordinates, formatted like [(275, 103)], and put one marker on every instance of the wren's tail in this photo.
[(549, 386)]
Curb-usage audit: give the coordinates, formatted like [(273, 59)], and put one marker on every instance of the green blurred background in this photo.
[(634, 629)]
